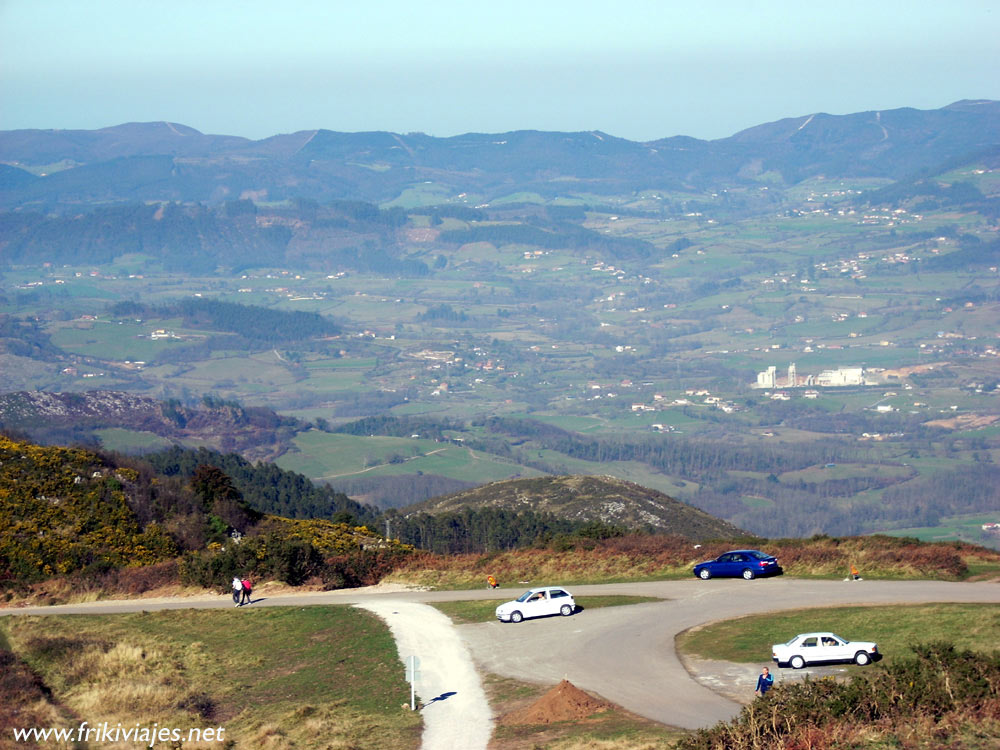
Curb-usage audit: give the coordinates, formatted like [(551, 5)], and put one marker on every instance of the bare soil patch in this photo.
[(564, 702), (965, 421), (530, 716)]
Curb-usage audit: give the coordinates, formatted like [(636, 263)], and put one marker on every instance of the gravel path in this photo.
[(456, 713)]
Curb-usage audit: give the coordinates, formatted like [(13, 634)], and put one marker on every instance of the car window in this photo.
[(739, 558), (725, 558), (525, 596), (557, 594), (759, 555), (809, 642)]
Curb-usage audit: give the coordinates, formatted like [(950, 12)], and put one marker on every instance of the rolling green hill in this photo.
[(605, 500)]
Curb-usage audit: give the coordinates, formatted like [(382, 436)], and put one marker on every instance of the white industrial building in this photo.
[(844, 376), (841, 377)]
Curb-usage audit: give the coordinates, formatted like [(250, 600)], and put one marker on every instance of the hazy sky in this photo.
[(638, 69)]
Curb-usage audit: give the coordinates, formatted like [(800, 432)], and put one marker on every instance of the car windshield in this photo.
[(525, 596)]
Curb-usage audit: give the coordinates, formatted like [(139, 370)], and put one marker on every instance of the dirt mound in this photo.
[(564, 702)]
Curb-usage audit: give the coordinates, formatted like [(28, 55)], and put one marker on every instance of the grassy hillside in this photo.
[(272, 678), (580, 560), (607, 500)]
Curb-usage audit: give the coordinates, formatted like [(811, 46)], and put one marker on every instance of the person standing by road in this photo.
[(764, 682)]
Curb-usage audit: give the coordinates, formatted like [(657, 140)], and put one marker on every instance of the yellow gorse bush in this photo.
[(62, 509), (327, 537)]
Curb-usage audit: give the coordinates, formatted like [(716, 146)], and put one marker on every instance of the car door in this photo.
[(809, 648), (837, 649), (723, 565), (557, 598), (536, 605), (739, 562)]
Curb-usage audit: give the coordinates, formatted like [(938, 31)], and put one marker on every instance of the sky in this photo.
[(636, 69)]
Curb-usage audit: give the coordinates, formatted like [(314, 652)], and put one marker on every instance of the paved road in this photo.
[(625, 654)]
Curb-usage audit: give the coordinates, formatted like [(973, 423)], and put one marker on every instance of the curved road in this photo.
[(625, 654)]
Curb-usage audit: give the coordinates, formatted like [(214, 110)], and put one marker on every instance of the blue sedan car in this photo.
[(745, 563)]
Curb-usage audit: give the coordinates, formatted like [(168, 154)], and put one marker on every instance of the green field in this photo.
[(324, 457), (894, 629), (131, 441), (957, 528)]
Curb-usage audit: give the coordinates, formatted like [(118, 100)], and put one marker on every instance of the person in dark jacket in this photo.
[(764, 682)]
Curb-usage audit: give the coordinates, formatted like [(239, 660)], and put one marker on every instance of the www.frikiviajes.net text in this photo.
[(105, 732)]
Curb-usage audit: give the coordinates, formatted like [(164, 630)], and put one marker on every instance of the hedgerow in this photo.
[(938, 687)]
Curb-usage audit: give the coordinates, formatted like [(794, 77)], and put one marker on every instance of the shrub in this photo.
[(361, 568), (938, 682)]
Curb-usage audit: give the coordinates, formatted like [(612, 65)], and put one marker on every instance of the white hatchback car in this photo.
[(819, 648), (549, 600)]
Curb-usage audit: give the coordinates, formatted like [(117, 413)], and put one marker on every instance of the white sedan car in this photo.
[(822, 648), (550, 600)]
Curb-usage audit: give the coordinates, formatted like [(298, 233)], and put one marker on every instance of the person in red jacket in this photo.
[(247, 588)]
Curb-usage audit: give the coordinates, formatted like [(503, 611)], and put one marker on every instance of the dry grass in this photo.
[(318, 677), (664, 557)]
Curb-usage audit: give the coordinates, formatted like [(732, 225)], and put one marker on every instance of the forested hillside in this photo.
[(595, 501), (71, 512), (266, 487), (55, 418), (259, 326)]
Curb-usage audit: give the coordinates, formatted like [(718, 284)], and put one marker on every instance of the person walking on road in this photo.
[(764, 682), (237, 591), (247, 589)]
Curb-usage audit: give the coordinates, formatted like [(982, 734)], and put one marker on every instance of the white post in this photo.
[(412, 672)]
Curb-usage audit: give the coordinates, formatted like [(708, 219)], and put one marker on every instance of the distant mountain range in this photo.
[(139, 162)]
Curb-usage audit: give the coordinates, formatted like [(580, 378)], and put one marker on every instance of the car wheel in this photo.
[(797, 662), (704, 574), (516, 617), (748, 575), (861, 658), (565, 610)]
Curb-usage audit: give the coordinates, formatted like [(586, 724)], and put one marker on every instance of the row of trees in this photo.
[(487, 530), (266, 487), (258, 325)]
